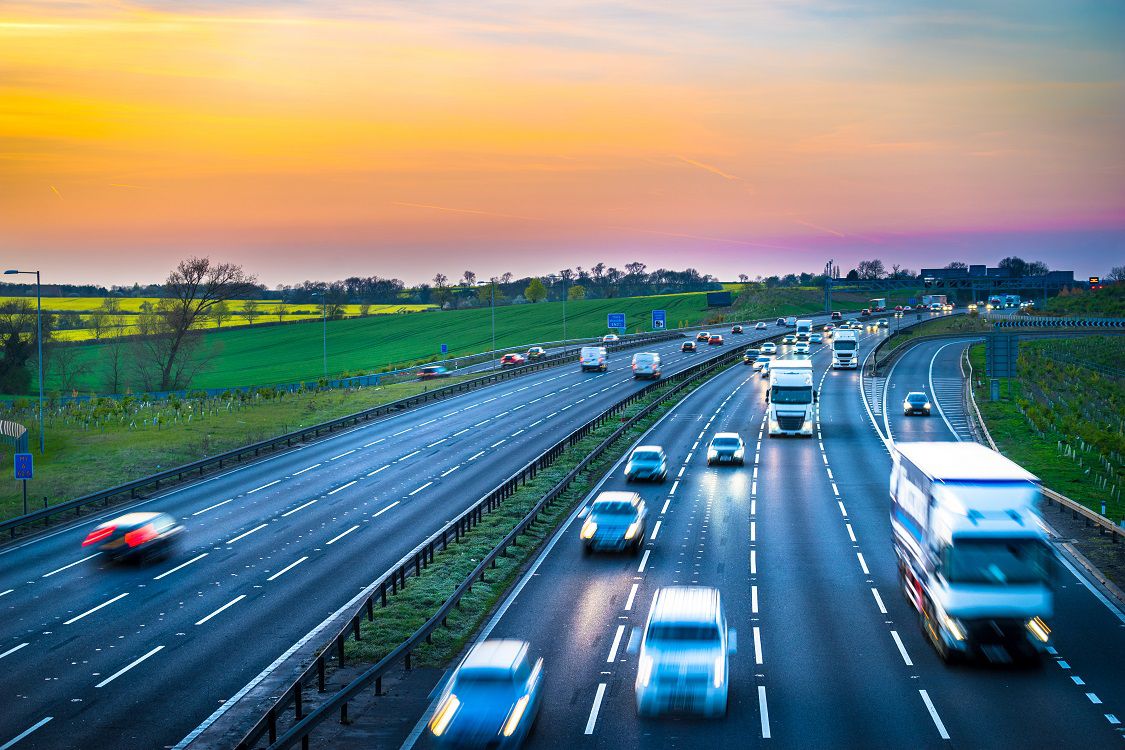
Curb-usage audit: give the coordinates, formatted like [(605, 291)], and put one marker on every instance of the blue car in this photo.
[(647, 462), (492, 699)]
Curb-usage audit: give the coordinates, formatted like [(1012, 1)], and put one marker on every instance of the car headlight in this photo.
[(589, 529), (739, 452), (1039, 629), (644, 670), (720, 672), (515, 715), (712, 453), (926, 406), (444, 715), (953, 626), (906, 405), (634, 527)]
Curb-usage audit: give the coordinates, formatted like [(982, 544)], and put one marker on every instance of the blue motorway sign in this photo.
[(912, 302), (615, 320), (659, 320), (445, 348), (25, 466)]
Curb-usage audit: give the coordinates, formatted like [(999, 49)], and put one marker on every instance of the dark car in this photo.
[(136, 536), (715, 340), (492, 699), (916, 402), (750, 356), (781, 321), (864, 311), (512, 360), (836, 315), (736, 329), (726, 447), (432, 372), (687, 346)]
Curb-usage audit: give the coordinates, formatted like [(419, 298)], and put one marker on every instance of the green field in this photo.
[(283, 354), (1063, 420)]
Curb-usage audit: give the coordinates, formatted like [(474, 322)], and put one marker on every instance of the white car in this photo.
[(760, 326), (802, 347), (769, 348), (610, 338), (684, 653), (816, 338)]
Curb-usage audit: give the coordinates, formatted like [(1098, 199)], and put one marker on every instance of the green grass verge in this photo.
[(285, 354), (423, 595), (92, 447), (944, 324), (1108, 301), (1034, 448)]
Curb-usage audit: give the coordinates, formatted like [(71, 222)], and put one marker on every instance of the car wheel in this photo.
[(637, 547), (586, 550)]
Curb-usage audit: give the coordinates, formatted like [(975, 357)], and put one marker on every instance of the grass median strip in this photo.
[(424, 594)]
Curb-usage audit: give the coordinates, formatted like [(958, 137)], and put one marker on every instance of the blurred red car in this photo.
[(715, 340), (432, 372), (512, 360)]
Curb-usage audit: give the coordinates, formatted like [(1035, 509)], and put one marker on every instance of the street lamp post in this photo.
[(39, 340), (324, 325)]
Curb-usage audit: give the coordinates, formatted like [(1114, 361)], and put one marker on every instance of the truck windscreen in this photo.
[(844, 346), (997, 561), (781, 394)]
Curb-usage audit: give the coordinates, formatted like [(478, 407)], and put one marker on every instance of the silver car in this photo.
[(614, 521), (647, 462)]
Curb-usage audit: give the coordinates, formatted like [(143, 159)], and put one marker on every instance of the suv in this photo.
[(614, 521), (512, 360), (647, 462), (684, 653), (646, 365)]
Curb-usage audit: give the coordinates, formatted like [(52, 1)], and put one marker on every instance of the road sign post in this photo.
[(659, 320), (24, 466), (615, 320)]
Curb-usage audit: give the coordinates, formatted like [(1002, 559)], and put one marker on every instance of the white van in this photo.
[(593, 358), (646, 365), (684, 653)]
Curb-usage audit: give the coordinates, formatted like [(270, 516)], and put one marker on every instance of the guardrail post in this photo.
[(355, 627), (297, 703), (340, 651), (406, 661), (344, 714), (383, 592), (378, 686), (320, 673), (370, 609), (271, 722)]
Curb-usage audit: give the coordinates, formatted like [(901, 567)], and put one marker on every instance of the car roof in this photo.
[(733, 435), (649, 448), (617, 497), (135, 519), (699, 604), (494, 656), (916, 393)]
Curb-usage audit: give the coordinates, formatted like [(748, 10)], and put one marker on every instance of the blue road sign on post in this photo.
[(659, 320), (25, 466), (912, 302), (615, 320), (445, 348)]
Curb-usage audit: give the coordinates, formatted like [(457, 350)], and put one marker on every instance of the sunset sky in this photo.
[(315, 140)]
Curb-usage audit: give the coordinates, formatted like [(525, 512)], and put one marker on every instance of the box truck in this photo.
[(845, 349), (804, 329), (791, 397), (973, 558)]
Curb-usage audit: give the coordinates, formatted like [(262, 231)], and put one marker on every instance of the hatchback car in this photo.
[(610, 338), (759, 326), (769, 348), (136, 536), (715, 340), (683, 653), (647, 462), (816, 338), (736, 329), (916, 402), (536, 352), (726, 448), (702, 336), (512, 360), (432, 372), (493, 698), (614, 521), (687, 346)]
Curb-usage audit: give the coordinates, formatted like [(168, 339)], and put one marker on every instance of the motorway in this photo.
[(799, 543), (95, 654)]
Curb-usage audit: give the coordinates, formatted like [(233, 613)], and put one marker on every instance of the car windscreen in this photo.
[(917, 398), (781, 394), (844, 345), (614, 508), (703, 634), (997, 561), (728, 443), (647, 456)]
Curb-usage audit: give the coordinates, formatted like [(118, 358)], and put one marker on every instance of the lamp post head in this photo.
[(10, 271)]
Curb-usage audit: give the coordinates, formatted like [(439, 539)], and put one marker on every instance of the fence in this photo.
[(1033, 321), (217, 462), (395, 579)]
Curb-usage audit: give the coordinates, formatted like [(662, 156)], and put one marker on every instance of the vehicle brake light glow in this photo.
[(97, 535), (137, 537)]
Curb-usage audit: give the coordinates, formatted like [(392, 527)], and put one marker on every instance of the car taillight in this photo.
[(97, 535), (140, 536)]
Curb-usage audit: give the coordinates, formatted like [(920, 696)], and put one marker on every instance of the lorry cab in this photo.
[(791, 398), (845, 350), (973, 558)]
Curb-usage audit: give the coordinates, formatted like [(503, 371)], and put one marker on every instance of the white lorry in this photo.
[(973, 558), (804, 330), (791, 397), (845, 349)]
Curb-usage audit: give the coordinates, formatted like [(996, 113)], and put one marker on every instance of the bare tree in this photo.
[(102, 319), (68, 365), (113, 357), (871, 269), (1116, 274), (743, 278), (506, 277), (251, 309), (168, 357), (281, 311), (469, 278)]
